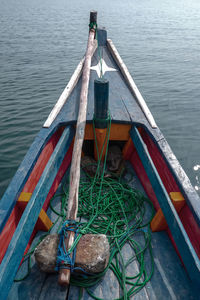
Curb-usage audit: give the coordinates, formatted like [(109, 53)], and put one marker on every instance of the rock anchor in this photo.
[(92, 253)]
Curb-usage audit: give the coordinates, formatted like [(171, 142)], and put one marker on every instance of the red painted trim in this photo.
[(160, 164), (191, 227), (63, 168), (188, 221), (8, 231), (141, 174), (11, 224), (41, 162)]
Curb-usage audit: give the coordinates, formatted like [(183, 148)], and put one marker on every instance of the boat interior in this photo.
[(169, 280)]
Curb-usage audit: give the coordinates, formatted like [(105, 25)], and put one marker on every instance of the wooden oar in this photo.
[(64, 274)]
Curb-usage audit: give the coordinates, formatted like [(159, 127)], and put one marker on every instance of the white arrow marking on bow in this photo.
[(105, 68)]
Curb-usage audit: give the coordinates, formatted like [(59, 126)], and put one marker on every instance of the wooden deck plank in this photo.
[(29, 288), (107, 289), (52, 290), (169, 280), (174, 282), (132, 270)]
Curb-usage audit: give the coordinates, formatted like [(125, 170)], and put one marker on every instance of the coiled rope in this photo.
[(110, 206)]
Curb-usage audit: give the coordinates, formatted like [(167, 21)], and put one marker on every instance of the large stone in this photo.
[(92, 253), (46, 252)]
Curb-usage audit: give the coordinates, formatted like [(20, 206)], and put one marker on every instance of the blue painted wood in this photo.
[(187, 252), (174, 283), (29, 288), (15, 187), (52, 290), (117, 109), (108, 288), (26, 225), (169, 280), (101, 36), (101, 102), (39, 285)]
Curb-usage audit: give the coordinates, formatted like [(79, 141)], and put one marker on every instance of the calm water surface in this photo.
[(41, 42)]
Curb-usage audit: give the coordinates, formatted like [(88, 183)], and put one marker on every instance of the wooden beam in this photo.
[(17, 246), (101, 141), (159, 222), (65, 94), (43, 222), (123, 68), (64, 274), (118, 132), (182, 241)]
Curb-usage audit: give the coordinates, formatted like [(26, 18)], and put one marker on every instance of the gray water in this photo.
[(41, 42)]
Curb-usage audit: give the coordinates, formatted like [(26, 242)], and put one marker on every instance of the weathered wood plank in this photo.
[(52, 290), (174, 282), (26, 225), (108, 288), (131, 83), (132, 270), (188, 254), (65, 94)]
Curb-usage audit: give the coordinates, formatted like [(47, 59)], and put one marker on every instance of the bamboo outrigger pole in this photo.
[(64, 274)]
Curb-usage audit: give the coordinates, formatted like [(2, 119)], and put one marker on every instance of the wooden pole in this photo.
[(64, 274)]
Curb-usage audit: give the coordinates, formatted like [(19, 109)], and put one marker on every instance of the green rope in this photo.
[(113, 208), (110, 206), (93, 25), (118, 213)]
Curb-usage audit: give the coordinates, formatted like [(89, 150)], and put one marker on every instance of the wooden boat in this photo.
[(25, 207)]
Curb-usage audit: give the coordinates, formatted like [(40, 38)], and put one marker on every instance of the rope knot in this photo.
[(93, 25), (66, 257)]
